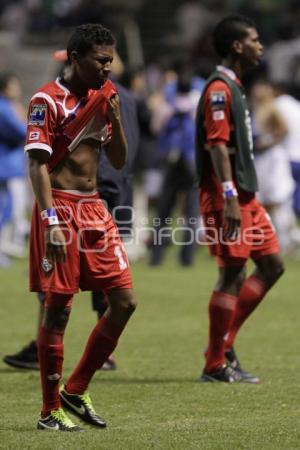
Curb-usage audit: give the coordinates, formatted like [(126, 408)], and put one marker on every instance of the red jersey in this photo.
[(218, 124), (58, 119)]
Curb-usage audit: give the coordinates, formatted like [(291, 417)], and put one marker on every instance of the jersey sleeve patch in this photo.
[(34, 136), (218, 100), (37, 115)]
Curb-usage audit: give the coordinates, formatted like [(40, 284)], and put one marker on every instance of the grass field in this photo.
[(153, 400)]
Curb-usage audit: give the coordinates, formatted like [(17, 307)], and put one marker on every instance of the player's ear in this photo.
[(73, 56), (237, 46)]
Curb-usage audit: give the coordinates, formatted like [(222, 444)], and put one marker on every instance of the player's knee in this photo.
[(56, 319), (128, 303), (122, 301), (240, 279), (231, 279), (132, 305), (277, 271), (273, 273)]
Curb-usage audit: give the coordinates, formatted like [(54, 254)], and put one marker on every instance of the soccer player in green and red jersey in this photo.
[(237, 226)]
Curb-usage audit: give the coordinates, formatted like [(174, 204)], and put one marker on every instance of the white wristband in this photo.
[(228, 189), (50, 216)]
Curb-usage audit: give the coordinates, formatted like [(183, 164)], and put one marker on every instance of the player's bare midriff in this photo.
[(79, 170)]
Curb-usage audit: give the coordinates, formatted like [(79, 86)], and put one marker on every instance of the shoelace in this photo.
[(87, 401), (61, 417)]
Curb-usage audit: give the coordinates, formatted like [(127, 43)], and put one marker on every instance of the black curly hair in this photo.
[(231, 28), (87, 35)]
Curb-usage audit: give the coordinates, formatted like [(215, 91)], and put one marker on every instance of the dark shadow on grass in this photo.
[(114, 380), (34, 430), (144, 380), (23, 429), (8, 369)]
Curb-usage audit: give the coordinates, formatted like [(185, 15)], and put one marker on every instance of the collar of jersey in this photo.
[(57, 81), (230, 73)]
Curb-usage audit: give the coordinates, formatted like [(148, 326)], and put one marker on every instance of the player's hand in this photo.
[(113, 110), (232, 218), (55, 244)]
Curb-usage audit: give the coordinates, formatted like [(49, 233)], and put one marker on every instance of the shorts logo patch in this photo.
[(34, 136), (47, 265), (218, 115), (37, 115), (218, 100)]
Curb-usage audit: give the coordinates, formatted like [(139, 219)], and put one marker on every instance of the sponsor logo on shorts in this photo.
[(47, 265)]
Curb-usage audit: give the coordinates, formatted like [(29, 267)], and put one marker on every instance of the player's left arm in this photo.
[(116, 149), (218, 122)]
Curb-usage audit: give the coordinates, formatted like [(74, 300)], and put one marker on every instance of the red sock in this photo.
[(100, 345), (51, 356), (251, 294), (221, 313)]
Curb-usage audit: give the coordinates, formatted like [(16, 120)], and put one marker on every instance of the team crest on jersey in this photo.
[(47, 265), (218, 100), (37, 115)]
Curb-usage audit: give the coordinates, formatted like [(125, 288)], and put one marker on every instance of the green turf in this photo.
[(153, 400)]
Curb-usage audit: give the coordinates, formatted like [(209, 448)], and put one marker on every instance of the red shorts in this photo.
[(96, 258), (257, 236)]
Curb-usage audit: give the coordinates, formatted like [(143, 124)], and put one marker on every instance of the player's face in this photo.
[(94, 67), (252, 48)]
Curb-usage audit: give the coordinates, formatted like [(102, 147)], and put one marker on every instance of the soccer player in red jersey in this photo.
[(74, 243), (237, 227)]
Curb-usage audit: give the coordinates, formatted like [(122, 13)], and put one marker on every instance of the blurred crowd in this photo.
[(166, 90), (14, 225), (169, 28)]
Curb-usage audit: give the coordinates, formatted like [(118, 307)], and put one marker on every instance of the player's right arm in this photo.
[(217, 124), (38, 147)]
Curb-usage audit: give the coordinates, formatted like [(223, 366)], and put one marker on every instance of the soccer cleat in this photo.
[(81, 406), (27, 358), (110, 364), (233, 360), (57, 421), (224, 374)]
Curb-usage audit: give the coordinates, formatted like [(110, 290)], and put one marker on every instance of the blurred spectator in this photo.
[(275, 180), (284, 61), (194, 20), (289, 108), (175, 125), (12, 164), (4, 208), (148, 160)]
